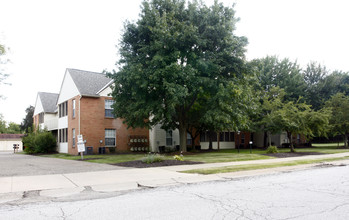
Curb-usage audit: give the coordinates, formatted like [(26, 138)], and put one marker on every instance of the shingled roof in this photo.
[(11, 136), (49, 101), (89, 83)]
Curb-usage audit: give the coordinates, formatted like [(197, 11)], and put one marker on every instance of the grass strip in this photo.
[(236, 168)]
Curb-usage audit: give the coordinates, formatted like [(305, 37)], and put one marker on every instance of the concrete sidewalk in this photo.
[(60, 185)]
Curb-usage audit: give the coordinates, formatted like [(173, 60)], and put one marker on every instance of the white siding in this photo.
[(106, 92), (38, 106), (68, 89), (7, 144), (51, 121), (63, 148), (222, 145), (63, 122), (157, 137)]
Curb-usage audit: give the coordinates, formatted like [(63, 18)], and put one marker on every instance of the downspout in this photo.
[(79, 113)]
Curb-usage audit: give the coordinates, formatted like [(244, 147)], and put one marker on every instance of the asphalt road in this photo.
[(318, 193), (26, 165)]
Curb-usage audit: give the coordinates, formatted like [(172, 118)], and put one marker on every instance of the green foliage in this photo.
[(314, 77), (3, 127), (11, 128), (339, 121), (272, 150), (3, 61), (39, 142), (178, 157), (177, 60), (292, 117), (152, 158), (285, 74), (28, 120)]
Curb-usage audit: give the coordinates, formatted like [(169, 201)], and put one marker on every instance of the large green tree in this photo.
[(282, 73), (339, 121), (177, 54), (27, 122), (314, 77)]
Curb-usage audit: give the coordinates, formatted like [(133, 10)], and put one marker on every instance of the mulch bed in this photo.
[(140, 164), (296, 154)]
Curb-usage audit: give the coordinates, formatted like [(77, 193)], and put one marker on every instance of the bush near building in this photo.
[(39, 142)]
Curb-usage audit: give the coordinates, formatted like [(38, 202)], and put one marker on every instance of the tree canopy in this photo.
[(179, 58), (27, 122)]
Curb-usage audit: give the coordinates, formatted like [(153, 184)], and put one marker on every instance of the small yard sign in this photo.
[(81, 147)]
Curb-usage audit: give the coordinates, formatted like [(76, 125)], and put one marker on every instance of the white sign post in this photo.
[(81, 146)]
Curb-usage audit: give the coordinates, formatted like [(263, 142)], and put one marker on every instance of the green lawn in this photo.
[(328, 145), (205, 157), (237, 168)]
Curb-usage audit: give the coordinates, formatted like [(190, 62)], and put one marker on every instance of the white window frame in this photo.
[(109, 134), (73, 134), (169, 138), (108, 107), (74, 104)]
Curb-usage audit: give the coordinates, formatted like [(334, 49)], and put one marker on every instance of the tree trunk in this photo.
[(345, 141), (269, 139), (265, 139), (183, 136), (289, 136), (210, 145), (218, 134)]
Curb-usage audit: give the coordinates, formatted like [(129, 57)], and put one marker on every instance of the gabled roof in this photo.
[(49, 101), (89, 83), (11, 136)]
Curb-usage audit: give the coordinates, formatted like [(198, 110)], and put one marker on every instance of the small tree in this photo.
[(339, 121), (293, 118)]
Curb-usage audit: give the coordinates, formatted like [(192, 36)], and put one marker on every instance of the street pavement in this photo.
[(85, 185), (27, 165), (319, 193)]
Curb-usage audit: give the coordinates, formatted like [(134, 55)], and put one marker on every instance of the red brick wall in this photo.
[(238, 139), (73, 123), (35, 121), (93, 124)]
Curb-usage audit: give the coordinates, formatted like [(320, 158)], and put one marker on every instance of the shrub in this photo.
[(152, 158), (178, 157), (272, 150), (39, 142)]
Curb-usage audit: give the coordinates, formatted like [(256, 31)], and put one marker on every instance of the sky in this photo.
[(46, 37)]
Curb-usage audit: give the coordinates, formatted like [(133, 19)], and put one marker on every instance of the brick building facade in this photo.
[(83, 107)]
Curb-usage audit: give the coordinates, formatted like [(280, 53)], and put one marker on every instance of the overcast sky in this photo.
[(46, 37)]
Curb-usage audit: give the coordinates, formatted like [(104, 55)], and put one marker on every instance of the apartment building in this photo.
[(83, 107)]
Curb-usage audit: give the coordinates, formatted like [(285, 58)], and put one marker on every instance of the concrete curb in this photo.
[(64, 185)]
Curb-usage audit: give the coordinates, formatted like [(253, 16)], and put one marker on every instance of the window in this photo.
[(189, 140), (213, 135), (63, 109), (232, 136), (108, 108), (41, 118), (242, 138), (223, 136), (73, 108), (63, 135), (169, 138), (203, 137), (110, 137), (73, 134)]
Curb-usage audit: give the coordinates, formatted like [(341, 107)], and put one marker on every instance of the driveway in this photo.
[(26, 165)]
